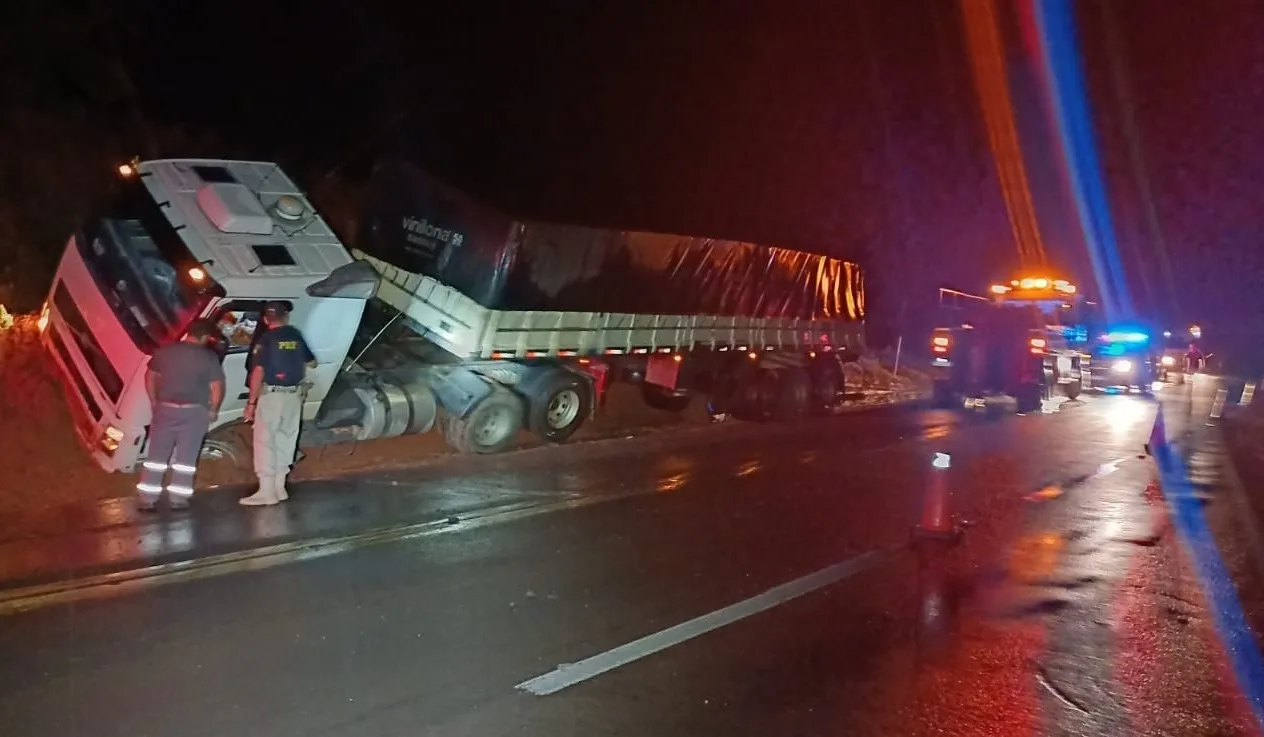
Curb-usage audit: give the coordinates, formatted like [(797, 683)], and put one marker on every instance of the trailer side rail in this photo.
[(468, 330)]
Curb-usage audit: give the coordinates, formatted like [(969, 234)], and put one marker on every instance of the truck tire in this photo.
[(794, 394), (757, 395), (1028, 397), (232, 443), (828, 384), (558, 403), (1073, 389), (491, 427), (664, 399)]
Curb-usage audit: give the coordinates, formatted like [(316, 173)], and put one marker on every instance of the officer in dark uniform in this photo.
[(279, 363), (186, 385)]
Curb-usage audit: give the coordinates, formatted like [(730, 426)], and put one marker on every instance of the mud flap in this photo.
[(460, 390)]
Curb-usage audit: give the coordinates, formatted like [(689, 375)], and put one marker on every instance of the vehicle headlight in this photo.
[(1122, 366), (1168, 361), (42, 322), (111, 439)]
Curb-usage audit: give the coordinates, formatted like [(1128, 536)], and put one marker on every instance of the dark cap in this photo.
[(279, 309), (201, 329)]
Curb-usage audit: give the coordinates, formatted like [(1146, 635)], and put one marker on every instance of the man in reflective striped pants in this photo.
[(186, 385)]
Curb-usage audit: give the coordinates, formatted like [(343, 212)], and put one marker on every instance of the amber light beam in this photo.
[(992, 87)]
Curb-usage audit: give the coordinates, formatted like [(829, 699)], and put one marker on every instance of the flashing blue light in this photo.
[(1126, 337)]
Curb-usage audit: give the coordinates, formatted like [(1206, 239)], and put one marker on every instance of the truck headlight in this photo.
[(1168, 361), (111, 439), (1122, 366)]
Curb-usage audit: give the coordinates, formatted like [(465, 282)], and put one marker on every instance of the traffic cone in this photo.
[(938, 522), (1158, 434)]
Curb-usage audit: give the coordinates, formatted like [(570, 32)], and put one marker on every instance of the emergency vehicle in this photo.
[(1027, 341), (1124, 359)]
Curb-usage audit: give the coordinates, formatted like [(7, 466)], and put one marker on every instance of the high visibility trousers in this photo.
[(175, 443)]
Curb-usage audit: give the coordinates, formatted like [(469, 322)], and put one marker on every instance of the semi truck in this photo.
[(440, 312)]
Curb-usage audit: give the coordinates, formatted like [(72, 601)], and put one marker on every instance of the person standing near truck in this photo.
[(186, 386), (279, 362)]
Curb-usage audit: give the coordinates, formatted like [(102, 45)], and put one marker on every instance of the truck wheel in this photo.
[(827, 386), (664, 399), (756, 395), (491, 427), (232, 443), (557, 406), (794, 394), (1072, 390), (1028, 398)]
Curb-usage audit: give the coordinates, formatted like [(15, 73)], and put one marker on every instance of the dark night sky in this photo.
[(847, 127)]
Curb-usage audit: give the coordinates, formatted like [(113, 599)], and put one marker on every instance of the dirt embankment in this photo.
[(45, 468)]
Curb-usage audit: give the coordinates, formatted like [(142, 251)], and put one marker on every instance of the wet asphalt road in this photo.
[(1068, 609)]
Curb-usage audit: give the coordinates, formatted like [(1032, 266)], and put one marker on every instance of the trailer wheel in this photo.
[(666, 400), (828, 385), (757, 395), (794, 394), (557, 405), (491, 427)]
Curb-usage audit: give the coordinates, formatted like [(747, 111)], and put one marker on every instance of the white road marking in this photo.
[(565, 676)]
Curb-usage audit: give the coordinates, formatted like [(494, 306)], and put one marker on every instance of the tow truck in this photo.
[(1025, 341)]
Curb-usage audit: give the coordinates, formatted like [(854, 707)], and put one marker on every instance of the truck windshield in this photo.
[(133, 252)]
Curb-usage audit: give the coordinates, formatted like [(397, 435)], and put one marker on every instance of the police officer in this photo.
[(278, 367), (186, 385)]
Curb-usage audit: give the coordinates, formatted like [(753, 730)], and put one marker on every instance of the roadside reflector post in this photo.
[(1158, 435)]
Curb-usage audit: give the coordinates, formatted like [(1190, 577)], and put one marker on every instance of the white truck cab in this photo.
[(183, 239)]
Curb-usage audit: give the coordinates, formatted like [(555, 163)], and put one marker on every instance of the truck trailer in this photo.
[(442, 311)]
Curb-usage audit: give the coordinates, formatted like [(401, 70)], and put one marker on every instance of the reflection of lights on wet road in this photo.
[(1125, 413), (808, 456), (749, 467), (672, 483), (1045, 494), (1036, 556), (935, 432)]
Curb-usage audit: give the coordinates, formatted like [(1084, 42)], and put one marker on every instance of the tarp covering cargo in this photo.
[(421, 225)]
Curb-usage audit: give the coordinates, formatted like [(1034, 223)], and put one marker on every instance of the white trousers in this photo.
[(278, 417)]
